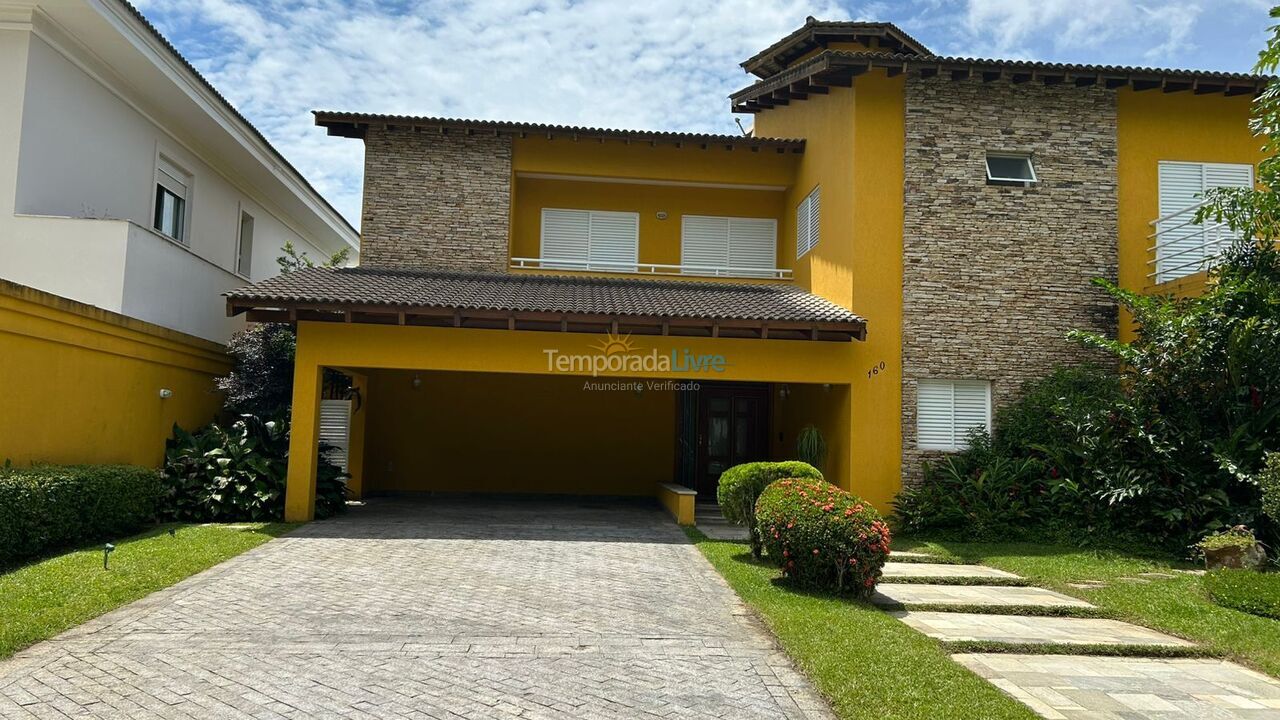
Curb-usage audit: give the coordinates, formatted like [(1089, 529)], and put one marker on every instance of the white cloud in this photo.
[(653, 64), (659, 64)]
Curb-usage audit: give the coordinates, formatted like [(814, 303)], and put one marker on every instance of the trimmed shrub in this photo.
[(822, 537), (1269, 483), (238, 473), (1245, 590), (47, 507), (741, 485)]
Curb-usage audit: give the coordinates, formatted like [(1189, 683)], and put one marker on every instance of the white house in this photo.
[(127, 182)]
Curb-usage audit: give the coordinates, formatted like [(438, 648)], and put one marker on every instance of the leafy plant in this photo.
[(740, 487), (51, 506), (293, 259), (822, 537), (261, 378), (238, 473), (1248, 591), (811, 448)]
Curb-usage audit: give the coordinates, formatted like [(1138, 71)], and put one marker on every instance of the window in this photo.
[(1010, 169), (590, 240), (1182, 247), (172, 187), (244, 245), (807, 223), (710, 245), (948, 410)]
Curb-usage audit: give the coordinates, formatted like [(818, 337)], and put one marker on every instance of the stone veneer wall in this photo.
[(433, 201), (994, 277)]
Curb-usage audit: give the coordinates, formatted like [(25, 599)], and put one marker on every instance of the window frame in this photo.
[(1010, 181), (809, 222), (243, 266), (172, 180), (957, 442)]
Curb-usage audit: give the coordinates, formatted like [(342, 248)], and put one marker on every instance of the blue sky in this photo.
[(654, 64)]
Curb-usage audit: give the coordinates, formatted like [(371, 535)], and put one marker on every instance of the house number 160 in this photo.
[(875, 370)]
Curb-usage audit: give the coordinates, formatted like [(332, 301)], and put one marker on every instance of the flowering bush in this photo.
[(823, 537), (741, 485)]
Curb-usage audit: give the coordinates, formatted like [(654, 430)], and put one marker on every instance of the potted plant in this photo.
[(1234, 548), (811, 447)]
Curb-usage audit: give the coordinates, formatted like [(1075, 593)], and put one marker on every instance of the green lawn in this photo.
[(40, 600), (1178, 605), (868, 664)]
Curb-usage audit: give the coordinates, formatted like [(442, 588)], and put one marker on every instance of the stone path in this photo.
[(1063, 687), (1033, 629), (411, 609), (1069, 687), (711, 522), (907, 594)]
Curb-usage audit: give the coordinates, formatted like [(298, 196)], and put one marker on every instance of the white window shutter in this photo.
[(704, 243), (615, 240), (1182, 247), (972, 409), (934, 406), (815, 214), (566, 235), (335, 429), (753, 245), (948, 410)]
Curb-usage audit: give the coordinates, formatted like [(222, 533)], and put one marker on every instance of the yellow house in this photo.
[(901, 242)]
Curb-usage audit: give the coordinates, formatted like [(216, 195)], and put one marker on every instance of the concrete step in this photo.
[(1034, 630), (899, 595), (895, 570)]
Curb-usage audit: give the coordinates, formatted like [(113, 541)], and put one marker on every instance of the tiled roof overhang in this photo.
[(816, 34), (346, 124), (546, 302), (837, 68)]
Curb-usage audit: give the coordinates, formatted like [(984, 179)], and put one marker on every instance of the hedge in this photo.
[(822, 537), (741, 485), (46, 507)]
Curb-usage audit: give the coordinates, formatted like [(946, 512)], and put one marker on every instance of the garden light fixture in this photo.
[(106, 552)]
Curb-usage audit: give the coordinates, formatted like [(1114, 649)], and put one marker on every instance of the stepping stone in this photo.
[(1072, 687), (909, 554), (897, 595), (942, 570), (955, 627)]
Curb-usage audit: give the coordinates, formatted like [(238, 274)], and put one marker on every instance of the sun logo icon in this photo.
[(615, 345)]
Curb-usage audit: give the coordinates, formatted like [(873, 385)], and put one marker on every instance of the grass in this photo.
[(1245, 590), (40, 600), (1178, 605), (865, 662)]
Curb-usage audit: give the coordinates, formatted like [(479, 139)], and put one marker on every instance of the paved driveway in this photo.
[(410, 609)]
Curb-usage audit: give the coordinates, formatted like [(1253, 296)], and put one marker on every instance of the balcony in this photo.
[(659, 269), (123, 267), (1180, 247)]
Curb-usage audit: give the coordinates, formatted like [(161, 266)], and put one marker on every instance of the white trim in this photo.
[(659, 183)]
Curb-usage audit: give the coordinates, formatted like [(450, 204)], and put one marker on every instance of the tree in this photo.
[(261, 379), (293, 259)]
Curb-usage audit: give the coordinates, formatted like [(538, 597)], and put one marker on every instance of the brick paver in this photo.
[(441, 609)]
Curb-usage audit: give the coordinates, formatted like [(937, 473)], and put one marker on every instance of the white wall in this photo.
[(87, 151)]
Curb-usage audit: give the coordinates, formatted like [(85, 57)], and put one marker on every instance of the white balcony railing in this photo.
[(1181, 247), (651, 268)]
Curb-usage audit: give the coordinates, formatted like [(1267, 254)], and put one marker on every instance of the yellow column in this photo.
[(355, 449), (304, 441)]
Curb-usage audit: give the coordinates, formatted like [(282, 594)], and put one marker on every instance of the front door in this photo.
[(733, 428)]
